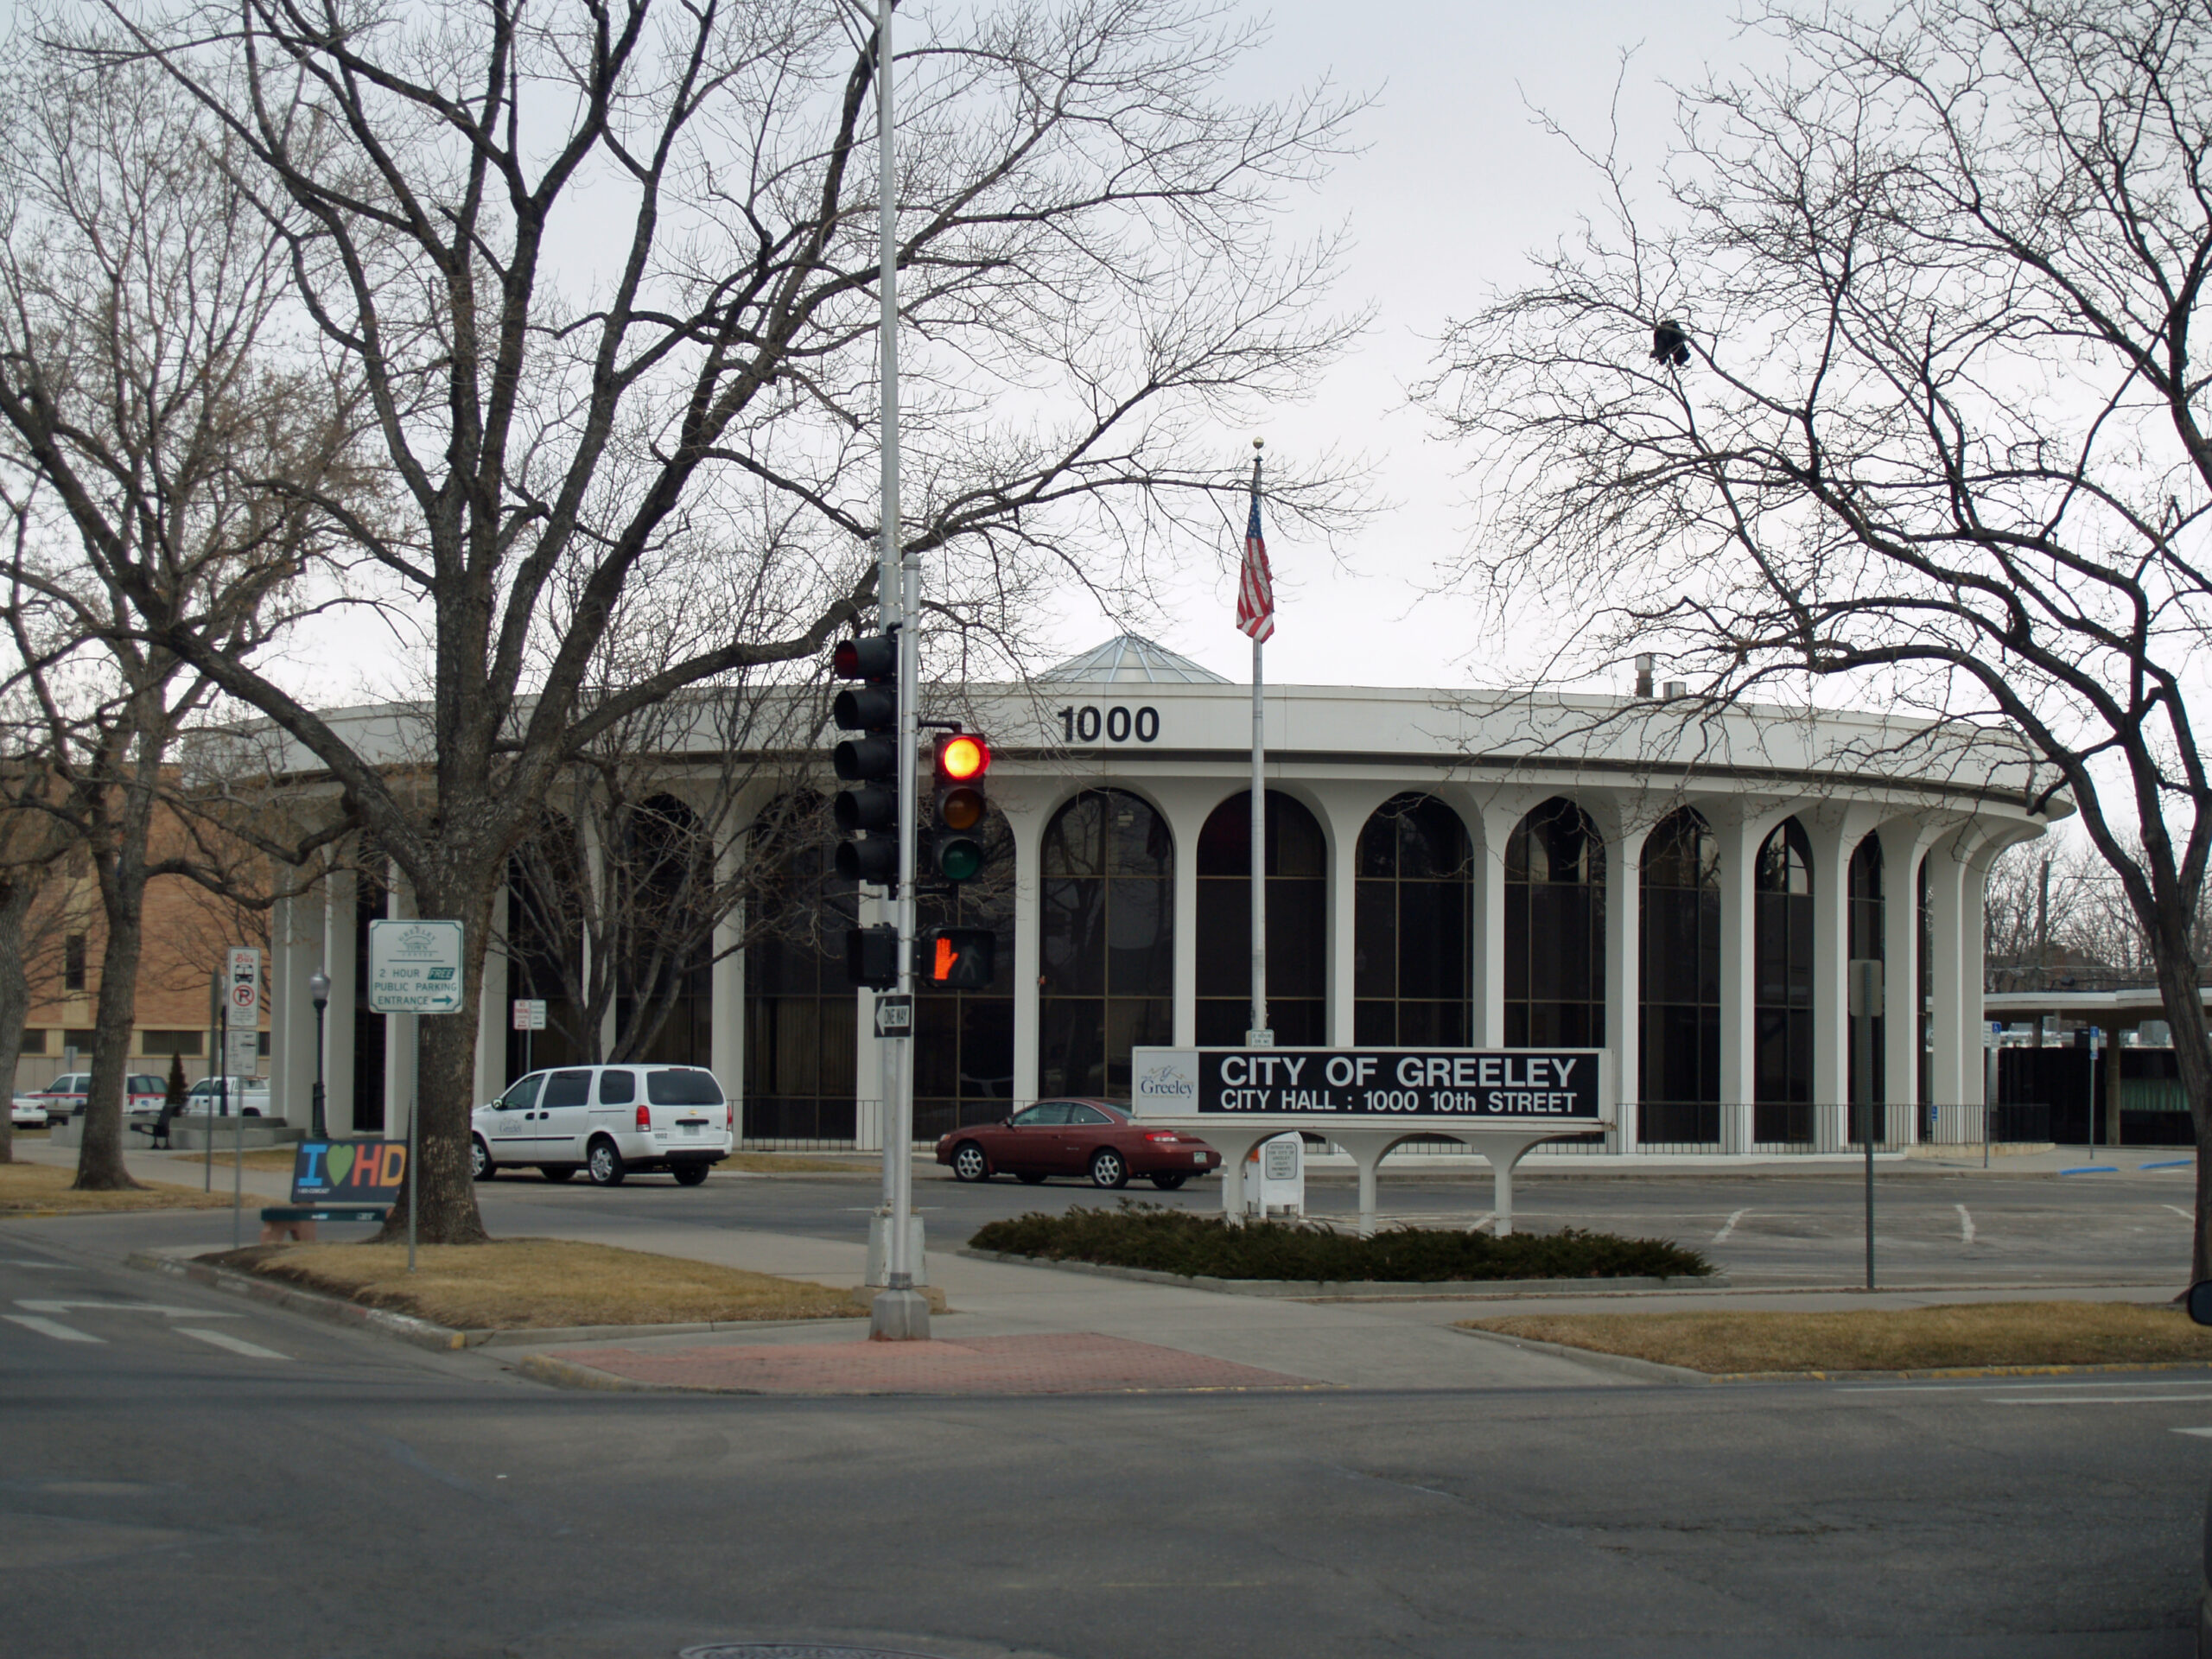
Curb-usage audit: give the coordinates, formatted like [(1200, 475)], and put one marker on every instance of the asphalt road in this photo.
[(1760, 1227), (299, 1489)]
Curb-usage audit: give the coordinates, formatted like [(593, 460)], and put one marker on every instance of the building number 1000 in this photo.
[(1083, 725)]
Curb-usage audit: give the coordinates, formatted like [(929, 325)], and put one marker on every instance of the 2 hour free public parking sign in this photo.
[(1371, 1086)]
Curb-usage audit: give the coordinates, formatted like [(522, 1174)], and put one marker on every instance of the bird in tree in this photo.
[(1669, 344)]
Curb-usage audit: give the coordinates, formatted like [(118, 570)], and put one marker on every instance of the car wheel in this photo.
[(1028, 1177), (556, 1171), (1169, 1183), (689, 1174), (1109, 1168), (605, 1164), (969, 1163), (480, 1159)]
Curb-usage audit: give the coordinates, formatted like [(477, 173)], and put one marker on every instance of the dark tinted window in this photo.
[(617, 1088), (523, 1094), (1087, 1115), (1039, 1117), (567, 1089), (686, 1088)]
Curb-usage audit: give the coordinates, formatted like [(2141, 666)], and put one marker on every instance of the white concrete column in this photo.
[(1185, 826), (725, 983), (1028, 831), (295, 940), (1739, 836), (1833, 835), (1493, 827), (1624, 974), (1905, 844), (1342, 808), (494, 1010), (1948, 1075), (341, 942), (868, 1050)]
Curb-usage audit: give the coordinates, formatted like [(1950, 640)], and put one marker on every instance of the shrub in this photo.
[(1177, 1241)]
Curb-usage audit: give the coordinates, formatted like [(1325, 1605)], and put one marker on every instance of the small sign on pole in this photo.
[(242, 988), (242, 1053), (530, 1014)]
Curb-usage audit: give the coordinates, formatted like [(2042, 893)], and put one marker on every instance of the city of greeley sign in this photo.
[(1556, 1089)]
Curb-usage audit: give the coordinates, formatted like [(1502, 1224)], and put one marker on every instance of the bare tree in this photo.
[(32, 839), (1897, 382), (610, 275), (142, 418)]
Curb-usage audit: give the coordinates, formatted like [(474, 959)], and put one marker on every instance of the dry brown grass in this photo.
[(525, 1284), (43, 1190), (1880, 1339)]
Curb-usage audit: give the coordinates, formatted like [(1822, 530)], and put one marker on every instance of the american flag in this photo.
[(1256, 587)]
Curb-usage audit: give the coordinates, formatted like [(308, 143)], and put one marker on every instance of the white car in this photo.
[(27, 1112), (607, 1121), (239, 1096)]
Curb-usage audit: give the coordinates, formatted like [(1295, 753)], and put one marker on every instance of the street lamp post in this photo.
[(319, 989)]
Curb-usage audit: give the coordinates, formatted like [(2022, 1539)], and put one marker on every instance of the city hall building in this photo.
[(1682, 889)]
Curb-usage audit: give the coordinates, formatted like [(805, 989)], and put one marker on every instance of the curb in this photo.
[(420, 1332), (1644, 1370), (566, 1374), (1369, 1290), (423, 1333), (1965, 1373)]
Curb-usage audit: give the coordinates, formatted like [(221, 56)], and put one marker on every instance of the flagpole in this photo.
[(1258, 1034)]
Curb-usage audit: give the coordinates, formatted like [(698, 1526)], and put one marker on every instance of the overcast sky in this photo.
[(1454, 185)]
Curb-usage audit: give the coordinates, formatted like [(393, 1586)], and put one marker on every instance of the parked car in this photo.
[(237, 1097), (1093, 1139), (608, 1121), (65, 1095), (27, 1111)]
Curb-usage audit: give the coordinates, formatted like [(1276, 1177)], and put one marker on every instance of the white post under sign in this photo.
[(241, 1034), (414, 967)]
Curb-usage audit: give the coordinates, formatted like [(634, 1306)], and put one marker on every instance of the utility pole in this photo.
[(899, 1313)]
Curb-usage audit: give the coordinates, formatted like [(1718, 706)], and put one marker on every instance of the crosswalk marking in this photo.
[(236, 1344), (1729, 1226), (54, 1328), (1966, 1225)]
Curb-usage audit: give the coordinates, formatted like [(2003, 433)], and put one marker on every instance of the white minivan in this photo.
[(607, 1121)]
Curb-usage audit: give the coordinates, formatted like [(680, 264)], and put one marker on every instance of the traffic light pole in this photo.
[(900, 1312)]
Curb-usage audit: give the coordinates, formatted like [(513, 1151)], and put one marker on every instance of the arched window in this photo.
[(1410, 905), (964, 1040), (1865, 934), (800, 1024), (1781, 1089), (1106, 943), (1679, 1043), (1555, 930), (1298, 923)]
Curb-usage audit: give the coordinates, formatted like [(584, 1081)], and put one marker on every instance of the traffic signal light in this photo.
[(961, 958), (963, 757), (869, 762)]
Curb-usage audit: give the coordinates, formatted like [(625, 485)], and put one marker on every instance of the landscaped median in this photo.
[(28, 1191), (1153, 1238), (1969, 1336)]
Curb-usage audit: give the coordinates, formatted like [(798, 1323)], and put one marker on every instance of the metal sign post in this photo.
[(414, 967), (1864, 1001)]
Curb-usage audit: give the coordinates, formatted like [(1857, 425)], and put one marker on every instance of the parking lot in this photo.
[(1760, 1225)]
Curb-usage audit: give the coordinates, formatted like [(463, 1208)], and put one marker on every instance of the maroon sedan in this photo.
[(1090, 1138)]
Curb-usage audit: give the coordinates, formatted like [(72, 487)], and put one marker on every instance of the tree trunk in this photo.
[(445, 1086), (2184, 1005), (100, 1154), (15, 897)]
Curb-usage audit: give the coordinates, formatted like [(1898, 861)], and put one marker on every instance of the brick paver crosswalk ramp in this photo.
[(1080, 1362)]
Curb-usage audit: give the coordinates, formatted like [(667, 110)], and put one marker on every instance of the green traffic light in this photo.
[(958, 858)]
